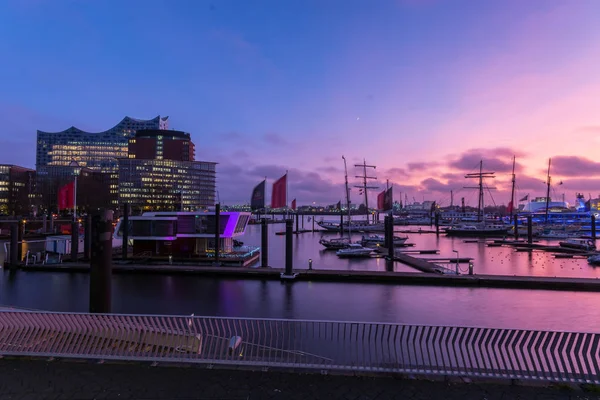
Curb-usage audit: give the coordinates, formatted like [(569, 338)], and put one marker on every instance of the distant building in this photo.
[(57, 152), (17, 185), (160, 174), (94, 189)]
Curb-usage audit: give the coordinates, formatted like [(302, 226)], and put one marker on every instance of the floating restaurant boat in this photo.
[(579, 244), (189, 235), (354, 250)]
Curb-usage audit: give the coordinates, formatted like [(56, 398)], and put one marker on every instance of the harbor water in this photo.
[(504, 260), (181, 295)]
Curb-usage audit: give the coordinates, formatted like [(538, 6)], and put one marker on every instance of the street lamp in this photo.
[(457, 256)]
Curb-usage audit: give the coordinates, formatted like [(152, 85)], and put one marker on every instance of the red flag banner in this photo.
[(294, 204), (65, 196), (278, 197), (381, 200), (509, 209)]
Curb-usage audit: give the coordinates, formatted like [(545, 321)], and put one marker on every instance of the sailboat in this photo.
[(479, 228), (342, 242), (357, 226), (540, 205)]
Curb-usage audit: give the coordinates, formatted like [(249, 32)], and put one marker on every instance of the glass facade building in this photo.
[(57, 152), (166, 185), (96, 151)]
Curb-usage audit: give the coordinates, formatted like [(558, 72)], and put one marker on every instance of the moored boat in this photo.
[(579, 244), (551, 234), (379, 240), (335, 243), (353, 226), (594, 260), (354, 250), (478, 230)]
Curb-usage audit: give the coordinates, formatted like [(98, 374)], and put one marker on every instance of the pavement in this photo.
[(25, 379)]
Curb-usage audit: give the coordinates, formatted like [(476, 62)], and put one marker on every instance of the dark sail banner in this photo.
[(278, 197), (381, 201), (258, 197), (388, 200)]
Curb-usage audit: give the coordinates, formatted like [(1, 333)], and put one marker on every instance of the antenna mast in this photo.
[(365, 179), (548, 190), (347, 190), (481, 176), (512, 193)]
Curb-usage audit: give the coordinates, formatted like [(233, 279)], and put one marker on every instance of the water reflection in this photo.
[(310, 300)]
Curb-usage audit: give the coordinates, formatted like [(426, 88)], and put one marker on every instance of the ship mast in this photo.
[(481, 176), (548, 190), (365, 179), (347, 191), (512, 193)]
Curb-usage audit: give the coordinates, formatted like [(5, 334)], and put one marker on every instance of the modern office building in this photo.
[(160, 174), (166, 185), (17, 185), (60, 156), (161, 145)]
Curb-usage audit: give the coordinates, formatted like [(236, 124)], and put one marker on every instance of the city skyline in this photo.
[(422, 89)]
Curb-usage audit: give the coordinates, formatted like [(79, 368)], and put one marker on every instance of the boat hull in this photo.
[(477, 233), (594, 260), (576, 246), (354, 255), (335, 244)]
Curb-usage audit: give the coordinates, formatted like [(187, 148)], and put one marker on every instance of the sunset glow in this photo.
[(422, 89)]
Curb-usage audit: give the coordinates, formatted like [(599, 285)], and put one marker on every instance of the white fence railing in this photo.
[(320, 345)]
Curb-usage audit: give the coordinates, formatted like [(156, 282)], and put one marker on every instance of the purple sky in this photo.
[(422, 88)]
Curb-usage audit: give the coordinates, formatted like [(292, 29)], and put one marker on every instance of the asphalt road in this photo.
[(22, 379)]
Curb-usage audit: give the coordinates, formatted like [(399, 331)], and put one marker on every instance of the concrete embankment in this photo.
[(381, 277)]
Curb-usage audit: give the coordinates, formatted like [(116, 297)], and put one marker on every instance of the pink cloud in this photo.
[(574, 166)]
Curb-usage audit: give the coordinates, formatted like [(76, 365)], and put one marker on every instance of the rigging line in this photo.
[(492, 197)]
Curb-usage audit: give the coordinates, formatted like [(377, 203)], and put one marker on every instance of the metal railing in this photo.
[(319, 345)]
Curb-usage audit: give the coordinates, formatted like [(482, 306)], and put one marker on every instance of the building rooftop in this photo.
[(127, 120), (161, 132)]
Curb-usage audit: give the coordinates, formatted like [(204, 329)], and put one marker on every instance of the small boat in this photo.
[(379, 240), (354, 250), (558, 235), (579, 244), (329, 226), (478, 230), (353, 226), (594, 260), (335, 243)]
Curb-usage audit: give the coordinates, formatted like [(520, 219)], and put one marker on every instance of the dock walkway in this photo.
[(384, 277)]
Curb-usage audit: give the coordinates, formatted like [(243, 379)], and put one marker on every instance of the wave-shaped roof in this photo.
[(158, 121)]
